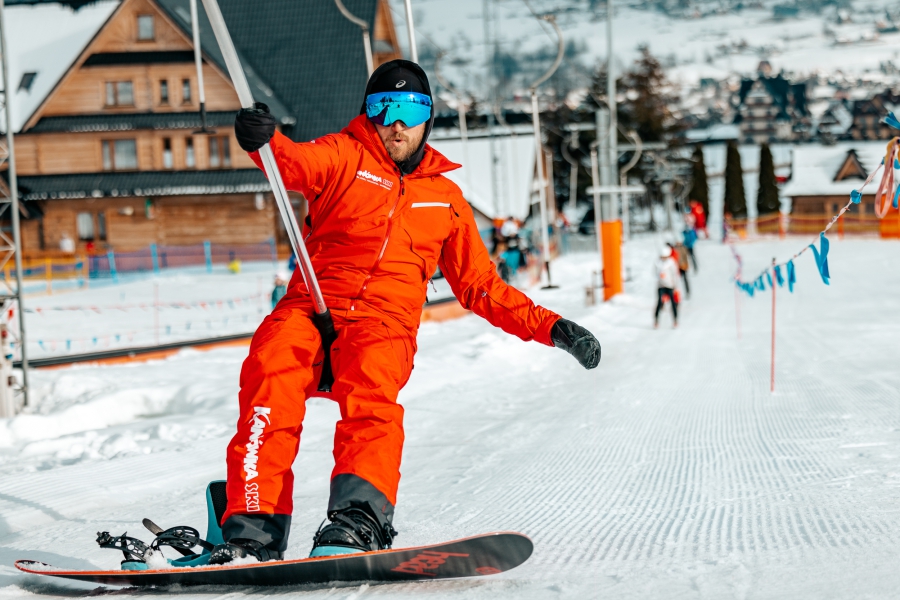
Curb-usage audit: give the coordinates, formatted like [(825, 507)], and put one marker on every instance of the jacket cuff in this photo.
[(542, 334)]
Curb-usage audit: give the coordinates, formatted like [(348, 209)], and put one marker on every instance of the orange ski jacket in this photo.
[(375, 237)]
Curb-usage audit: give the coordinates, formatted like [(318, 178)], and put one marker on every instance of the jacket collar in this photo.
[(362, 130)]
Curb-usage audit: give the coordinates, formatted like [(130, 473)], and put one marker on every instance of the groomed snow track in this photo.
[(668, 472)]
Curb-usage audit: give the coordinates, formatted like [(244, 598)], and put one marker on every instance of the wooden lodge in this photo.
[(822, 180), (111, 154)]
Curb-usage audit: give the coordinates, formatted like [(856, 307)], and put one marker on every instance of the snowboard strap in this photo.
[(325, 324), (182, 539), (133, 548)]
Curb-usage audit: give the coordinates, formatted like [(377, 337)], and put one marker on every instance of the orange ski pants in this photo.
[(371, 363)]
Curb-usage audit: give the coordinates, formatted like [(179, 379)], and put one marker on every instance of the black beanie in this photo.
[(406, 76)]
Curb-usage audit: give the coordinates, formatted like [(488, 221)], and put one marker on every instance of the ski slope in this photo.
[(670, 471)]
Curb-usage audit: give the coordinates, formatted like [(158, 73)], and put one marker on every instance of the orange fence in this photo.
[(811, 224)]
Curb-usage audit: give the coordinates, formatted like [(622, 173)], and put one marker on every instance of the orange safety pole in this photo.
[(612, 258), (774, 285)]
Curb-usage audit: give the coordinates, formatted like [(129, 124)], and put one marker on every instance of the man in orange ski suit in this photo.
[(377, 230)]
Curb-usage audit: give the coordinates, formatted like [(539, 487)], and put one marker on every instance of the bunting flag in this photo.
[(822, 257), (888, 192)]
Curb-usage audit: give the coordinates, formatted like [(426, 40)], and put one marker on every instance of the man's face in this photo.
[(400, 141)]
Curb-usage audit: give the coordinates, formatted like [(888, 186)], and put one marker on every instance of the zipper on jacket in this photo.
[(384, 243)]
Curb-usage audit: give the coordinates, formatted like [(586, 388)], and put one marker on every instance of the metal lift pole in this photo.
[(538, 155), (322, 318), (367, 42), (14, 203)]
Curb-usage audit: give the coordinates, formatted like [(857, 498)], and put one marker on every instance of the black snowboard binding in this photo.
[(134, 550), (194, 550), (351, 531), (240, 548), (182, 539)]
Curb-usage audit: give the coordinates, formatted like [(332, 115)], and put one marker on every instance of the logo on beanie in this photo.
[(400, 83)]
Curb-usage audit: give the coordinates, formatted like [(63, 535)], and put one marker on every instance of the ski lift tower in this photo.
[(13, 394)]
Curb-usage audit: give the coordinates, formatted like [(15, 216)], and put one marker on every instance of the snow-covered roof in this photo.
[(46, 39), (515, 172), (815, 167)]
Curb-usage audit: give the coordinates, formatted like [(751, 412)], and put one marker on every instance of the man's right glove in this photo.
[(577, 341), (254, 127)]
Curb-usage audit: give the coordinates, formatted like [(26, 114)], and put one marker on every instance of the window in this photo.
[(27, 80), (119, 93), (119, 155), (101, 226), (186, 91), (219, 152), (163, 92), (85, 224), (145, 28), (190, 160), (167, 153)]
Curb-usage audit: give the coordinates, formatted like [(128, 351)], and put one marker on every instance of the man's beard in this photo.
[(404, 153)]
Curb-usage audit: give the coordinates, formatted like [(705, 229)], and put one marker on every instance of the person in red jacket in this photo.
[(382, 218)]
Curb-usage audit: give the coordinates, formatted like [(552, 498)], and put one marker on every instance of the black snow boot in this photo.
[(351, 531), (242, 548)]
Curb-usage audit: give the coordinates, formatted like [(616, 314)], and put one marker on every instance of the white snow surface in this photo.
[(670, 471)]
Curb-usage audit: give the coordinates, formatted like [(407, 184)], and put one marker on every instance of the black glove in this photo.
[(577, 341), (254, 127)]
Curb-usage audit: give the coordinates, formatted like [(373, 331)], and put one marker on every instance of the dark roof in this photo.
[(133, 121), (141, 183), (301, 55)]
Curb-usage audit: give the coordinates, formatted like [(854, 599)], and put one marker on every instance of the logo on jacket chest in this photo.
[(375, 179)]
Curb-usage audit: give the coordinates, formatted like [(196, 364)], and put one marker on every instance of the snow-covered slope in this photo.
[(709, 42), (670, 471)]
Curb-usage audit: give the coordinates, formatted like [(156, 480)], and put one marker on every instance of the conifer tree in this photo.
[(735, 200), (767, 201), (699, 185)]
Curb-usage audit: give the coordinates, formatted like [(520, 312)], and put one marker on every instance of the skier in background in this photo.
[(680, 254), (666, 279), (280, 289), (699, 218), (690, 238), (382, 218)]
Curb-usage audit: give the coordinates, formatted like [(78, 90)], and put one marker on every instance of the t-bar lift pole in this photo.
[(538, 156), (198, 64), (322, 318)]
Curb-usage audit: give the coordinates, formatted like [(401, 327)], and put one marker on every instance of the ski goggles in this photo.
[(386, 108)]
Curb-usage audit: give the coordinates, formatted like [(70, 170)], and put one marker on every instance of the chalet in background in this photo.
[(109, 149)]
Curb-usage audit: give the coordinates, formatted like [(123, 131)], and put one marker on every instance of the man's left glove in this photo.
[(254, 127), (577, 341)]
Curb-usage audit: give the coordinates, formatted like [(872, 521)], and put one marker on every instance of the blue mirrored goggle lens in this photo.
[(385, 108)]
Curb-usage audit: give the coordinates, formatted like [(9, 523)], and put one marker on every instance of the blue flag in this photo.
[(778, 276), (791, 275), (822, 258), (891, 120)]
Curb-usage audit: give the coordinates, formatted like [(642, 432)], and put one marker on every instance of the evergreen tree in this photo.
[(767, 201), (735, 201), (699, 185)]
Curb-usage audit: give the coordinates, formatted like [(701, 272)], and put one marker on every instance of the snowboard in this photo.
[(480, 555)]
